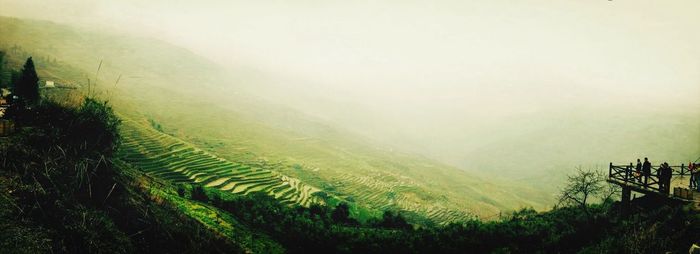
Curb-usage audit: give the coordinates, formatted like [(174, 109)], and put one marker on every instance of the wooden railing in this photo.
[(629, 175)]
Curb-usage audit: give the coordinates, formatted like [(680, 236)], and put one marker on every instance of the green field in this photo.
[(172, 159)]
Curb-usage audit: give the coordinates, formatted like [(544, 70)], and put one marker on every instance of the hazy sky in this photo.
[(444, 63), (419, 44)]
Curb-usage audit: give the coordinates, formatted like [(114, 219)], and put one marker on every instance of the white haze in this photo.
[(445, 79)]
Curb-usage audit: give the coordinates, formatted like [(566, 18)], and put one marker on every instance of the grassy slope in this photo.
[(210, 217), (173, 159), (144, 206), (166, 83), (61, 193)]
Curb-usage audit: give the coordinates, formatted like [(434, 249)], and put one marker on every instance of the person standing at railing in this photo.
[(646, 169), (665, 172), (669, 176), (638, 171), (691, 169), (697, 176)]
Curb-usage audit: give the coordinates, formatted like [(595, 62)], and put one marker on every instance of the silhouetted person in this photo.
[(664, 174), (669, 176), (646, 169), (696, 166), (638, 170), (691, 169)]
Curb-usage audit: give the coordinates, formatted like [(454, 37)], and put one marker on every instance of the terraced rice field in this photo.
[(175, 160), (382, 191), (170, 158)]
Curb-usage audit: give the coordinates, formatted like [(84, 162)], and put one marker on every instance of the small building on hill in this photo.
[(50, 84)]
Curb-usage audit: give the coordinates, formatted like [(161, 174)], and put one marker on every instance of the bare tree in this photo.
[(610, 191), (584, 185)]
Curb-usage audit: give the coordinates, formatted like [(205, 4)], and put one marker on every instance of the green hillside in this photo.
[(169, 158), (164, 83)]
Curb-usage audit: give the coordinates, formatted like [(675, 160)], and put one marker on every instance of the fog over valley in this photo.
[(523, 91)]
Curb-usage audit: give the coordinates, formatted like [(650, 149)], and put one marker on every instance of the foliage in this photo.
[(341, 214), (61, 192), (584, 185), (563, 230), (393, 220), (27, 87), (198, 194), (181, 191)]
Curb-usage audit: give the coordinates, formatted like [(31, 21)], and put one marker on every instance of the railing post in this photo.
[(682, 169), (628, 170), (610, 171), (646, 178)]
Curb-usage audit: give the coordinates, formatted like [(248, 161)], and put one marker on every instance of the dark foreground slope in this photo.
[(61, 191)]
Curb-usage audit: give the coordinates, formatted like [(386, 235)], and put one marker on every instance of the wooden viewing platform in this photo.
[(627, 177)]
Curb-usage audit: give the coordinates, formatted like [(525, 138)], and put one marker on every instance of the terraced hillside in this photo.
[(172, 159), (384, 191)]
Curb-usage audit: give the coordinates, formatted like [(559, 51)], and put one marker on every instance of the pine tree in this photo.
[(27, 87)]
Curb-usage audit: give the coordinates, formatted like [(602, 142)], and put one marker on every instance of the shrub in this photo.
[(199, 194)]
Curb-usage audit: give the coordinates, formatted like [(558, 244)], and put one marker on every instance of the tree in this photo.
[(27, 86), (199, 194), (584, 185), (394, 220), (181, 191), (341, 213)]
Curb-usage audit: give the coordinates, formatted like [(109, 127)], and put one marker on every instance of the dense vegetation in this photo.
[(61, 193), (655, 227)]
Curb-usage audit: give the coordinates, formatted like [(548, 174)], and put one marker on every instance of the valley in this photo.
[(252, 132)]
